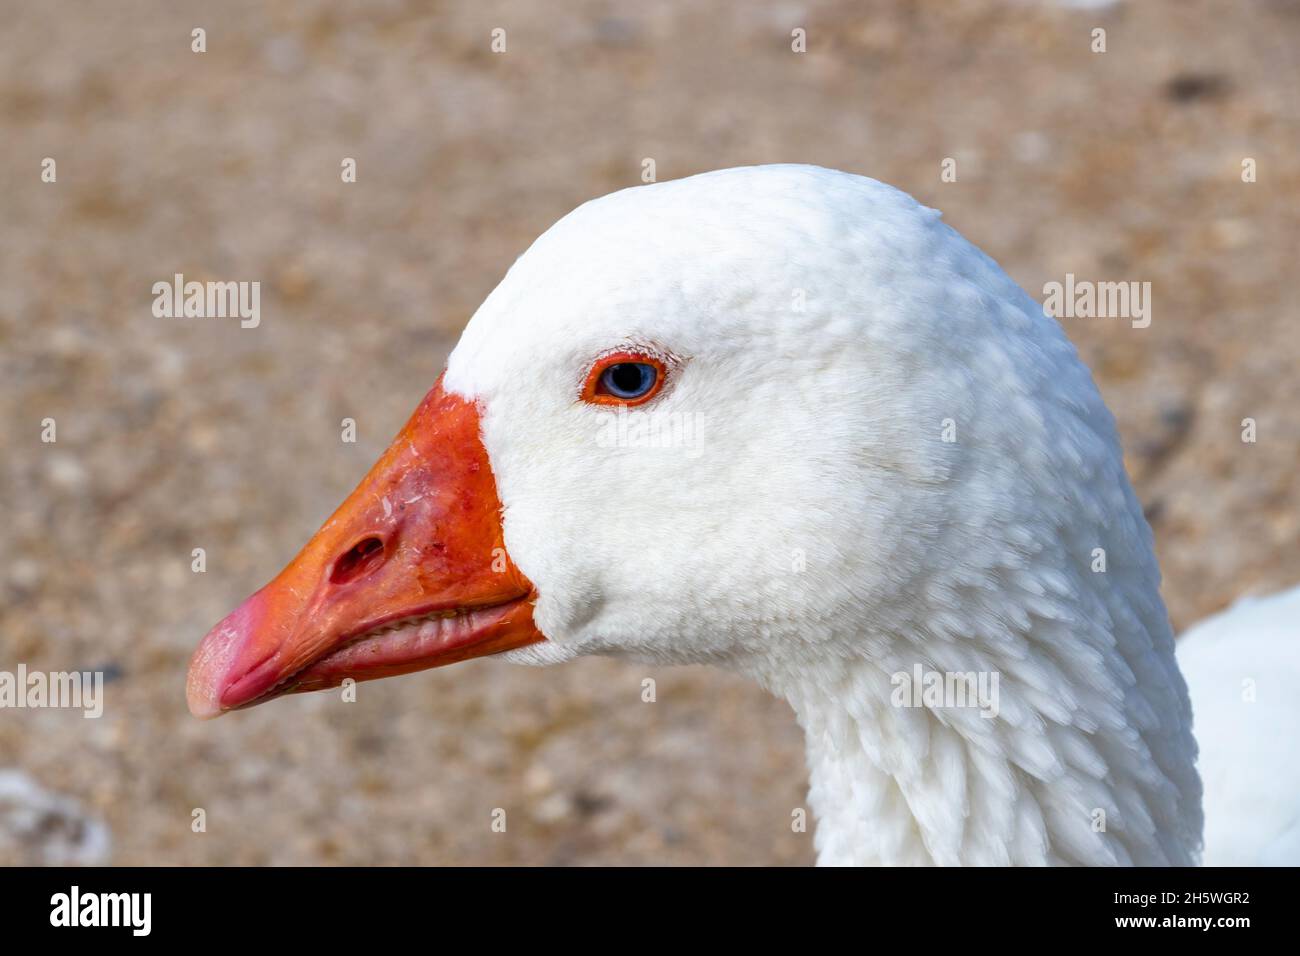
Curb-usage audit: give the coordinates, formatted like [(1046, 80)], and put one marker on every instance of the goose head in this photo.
[(781, 420)]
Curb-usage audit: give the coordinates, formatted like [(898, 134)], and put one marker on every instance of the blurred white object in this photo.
[(41, 828), (1243, 672)]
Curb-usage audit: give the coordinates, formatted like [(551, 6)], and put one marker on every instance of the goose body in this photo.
[(1243, 671), (882, 459)]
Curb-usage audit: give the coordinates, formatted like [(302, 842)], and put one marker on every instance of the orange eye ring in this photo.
[(625, 378)]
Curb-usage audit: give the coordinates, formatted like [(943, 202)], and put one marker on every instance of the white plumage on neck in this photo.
[(1077, 766)]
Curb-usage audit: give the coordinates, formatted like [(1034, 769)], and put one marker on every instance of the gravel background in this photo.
[(176, 434)]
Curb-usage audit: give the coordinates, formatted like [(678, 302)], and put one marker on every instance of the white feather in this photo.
[(1243, 672)]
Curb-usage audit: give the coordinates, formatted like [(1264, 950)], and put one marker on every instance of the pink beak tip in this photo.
[(211, 667)]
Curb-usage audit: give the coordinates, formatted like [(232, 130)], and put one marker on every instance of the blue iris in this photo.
[(629, 379)]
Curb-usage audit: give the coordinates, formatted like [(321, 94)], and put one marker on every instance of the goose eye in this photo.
[(625, 378), (628, 379)]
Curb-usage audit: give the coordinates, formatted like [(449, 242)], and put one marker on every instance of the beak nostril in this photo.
[(366, 555)]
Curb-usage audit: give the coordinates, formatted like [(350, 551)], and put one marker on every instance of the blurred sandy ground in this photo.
[(175, 435)]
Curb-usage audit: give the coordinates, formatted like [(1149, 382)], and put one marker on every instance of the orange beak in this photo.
[(410, 572)]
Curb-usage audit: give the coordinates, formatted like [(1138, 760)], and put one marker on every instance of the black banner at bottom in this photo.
[(338, 906)]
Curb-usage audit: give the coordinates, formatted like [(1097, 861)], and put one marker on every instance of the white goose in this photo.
[(886, 458), (1242, 669)]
